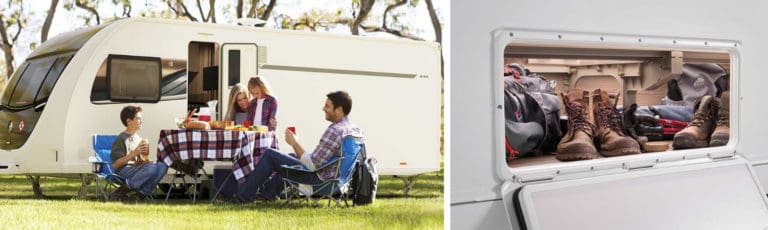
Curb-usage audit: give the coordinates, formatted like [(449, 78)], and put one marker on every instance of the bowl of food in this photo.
[(220, 125)]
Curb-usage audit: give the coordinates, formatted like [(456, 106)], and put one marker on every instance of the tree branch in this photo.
[(4, 32), (252, 11), (200, 8), (89, 9), (212, 11), (435, 22), (186, 11), (48, 20), (398, 33), (239, 9), (390, 8), (269, 9), (365, 8), (18, 32)]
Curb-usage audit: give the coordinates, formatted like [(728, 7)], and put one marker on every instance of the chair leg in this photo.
[(170, 187), (221, 187)]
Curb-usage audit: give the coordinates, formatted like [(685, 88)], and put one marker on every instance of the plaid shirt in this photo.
[(269, 110), (330, 145)]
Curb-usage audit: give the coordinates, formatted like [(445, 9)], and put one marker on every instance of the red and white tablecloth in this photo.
[(243, 147)]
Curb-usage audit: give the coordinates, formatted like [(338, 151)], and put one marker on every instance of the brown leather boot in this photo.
[(697, 134), (722, 131), (577, 144), (613, 141)]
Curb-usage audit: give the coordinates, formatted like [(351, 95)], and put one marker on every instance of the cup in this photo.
[(292, 129)]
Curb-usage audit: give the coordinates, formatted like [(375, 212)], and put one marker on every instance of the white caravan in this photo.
[(639, 46), (74, 86)]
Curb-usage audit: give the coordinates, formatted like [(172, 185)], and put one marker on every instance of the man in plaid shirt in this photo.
[(337, 107)]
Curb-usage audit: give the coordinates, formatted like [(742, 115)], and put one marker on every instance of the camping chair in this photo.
[(102, 165), (335, 189)]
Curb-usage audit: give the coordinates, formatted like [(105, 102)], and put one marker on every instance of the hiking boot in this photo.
[(722, 130), (613, 141), (120, 193), (698, 131), (577, 144)]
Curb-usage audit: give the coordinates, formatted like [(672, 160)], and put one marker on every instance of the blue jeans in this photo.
[(269, 162), (144, 178)]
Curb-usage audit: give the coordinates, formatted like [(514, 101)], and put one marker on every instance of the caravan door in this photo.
[(239, 62), (711, 194)]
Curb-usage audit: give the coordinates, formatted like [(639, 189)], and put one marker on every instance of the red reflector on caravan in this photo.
[(403, 163)]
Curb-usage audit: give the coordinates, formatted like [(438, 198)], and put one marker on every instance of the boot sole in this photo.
[(576, 156), (685, 142), (620, 152), (719, 140)]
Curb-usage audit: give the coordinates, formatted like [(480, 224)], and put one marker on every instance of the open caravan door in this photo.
[(724, 194), (239, 62)]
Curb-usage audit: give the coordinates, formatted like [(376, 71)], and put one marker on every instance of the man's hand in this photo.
[(290, 138)]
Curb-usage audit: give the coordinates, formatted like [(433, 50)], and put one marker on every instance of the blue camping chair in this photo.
[(102, 165), (335, 189)]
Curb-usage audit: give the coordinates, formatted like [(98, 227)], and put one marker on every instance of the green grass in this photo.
[(423, 209)]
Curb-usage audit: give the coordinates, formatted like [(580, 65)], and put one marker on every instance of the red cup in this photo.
[(293, 129), (247, 124)]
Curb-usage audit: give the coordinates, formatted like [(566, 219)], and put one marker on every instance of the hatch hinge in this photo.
[(721, 155), (534, 177)]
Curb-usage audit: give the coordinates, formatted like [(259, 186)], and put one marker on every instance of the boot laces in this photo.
[(607, 117), (700, 117), (577, 117)]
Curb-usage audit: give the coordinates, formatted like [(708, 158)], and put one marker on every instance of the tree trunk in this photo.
[(438, 33), (200, 8), (7, 46), (435, 22), (212, 11), (252, 11), (48, 20), (239, 9), (268, 11), (89, 9), (365, 8)]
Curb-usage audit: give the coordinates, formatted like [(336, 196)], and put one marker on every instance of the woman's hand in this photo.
[(290, 137), (272, 123)]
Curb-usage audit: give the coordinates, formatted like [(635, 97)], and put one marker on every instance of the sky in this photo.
[(417, 18)]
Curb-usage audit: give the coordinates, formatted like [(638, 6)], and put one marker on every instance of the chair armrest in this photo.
[(329, 163), (96, 160)]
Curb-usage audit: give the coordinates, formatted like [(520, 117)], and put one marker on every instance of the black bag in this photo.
[(365, 181), (532, 119)]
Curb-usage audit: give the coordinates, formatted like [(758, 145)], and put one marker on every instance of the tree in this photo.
[(48, 20), (14, 19), (127, 7), (257, 10), (88, 5)]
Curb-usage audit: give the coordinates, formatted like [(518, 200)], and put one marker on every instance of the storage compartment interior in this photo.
[(641, 96)]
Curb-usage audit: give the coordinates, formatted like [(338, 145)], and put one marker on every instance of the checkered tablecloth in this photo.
[(243, 147)]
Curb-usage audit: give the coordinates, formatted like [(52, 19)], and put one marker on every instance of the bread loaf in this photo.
[(197, 125)]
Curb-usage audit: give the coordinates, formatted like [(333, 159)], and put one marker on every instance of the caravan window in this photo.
[(173, 84), (565, 104), (135, 79), (36, 81)]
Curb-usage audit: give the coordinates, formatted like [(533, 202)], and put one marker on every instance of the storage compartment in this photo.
[(220, 175), (589, 101)]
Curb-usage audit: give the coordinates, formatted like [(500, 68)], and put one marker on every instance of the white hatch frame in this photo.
[(603, 166)]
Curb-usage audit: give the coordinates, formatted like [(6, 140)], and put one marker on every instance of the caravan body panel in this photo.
[(396, 96)]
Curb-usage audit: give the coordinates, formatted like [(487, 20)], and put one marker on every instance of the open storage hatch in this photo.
[(703, 187)]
